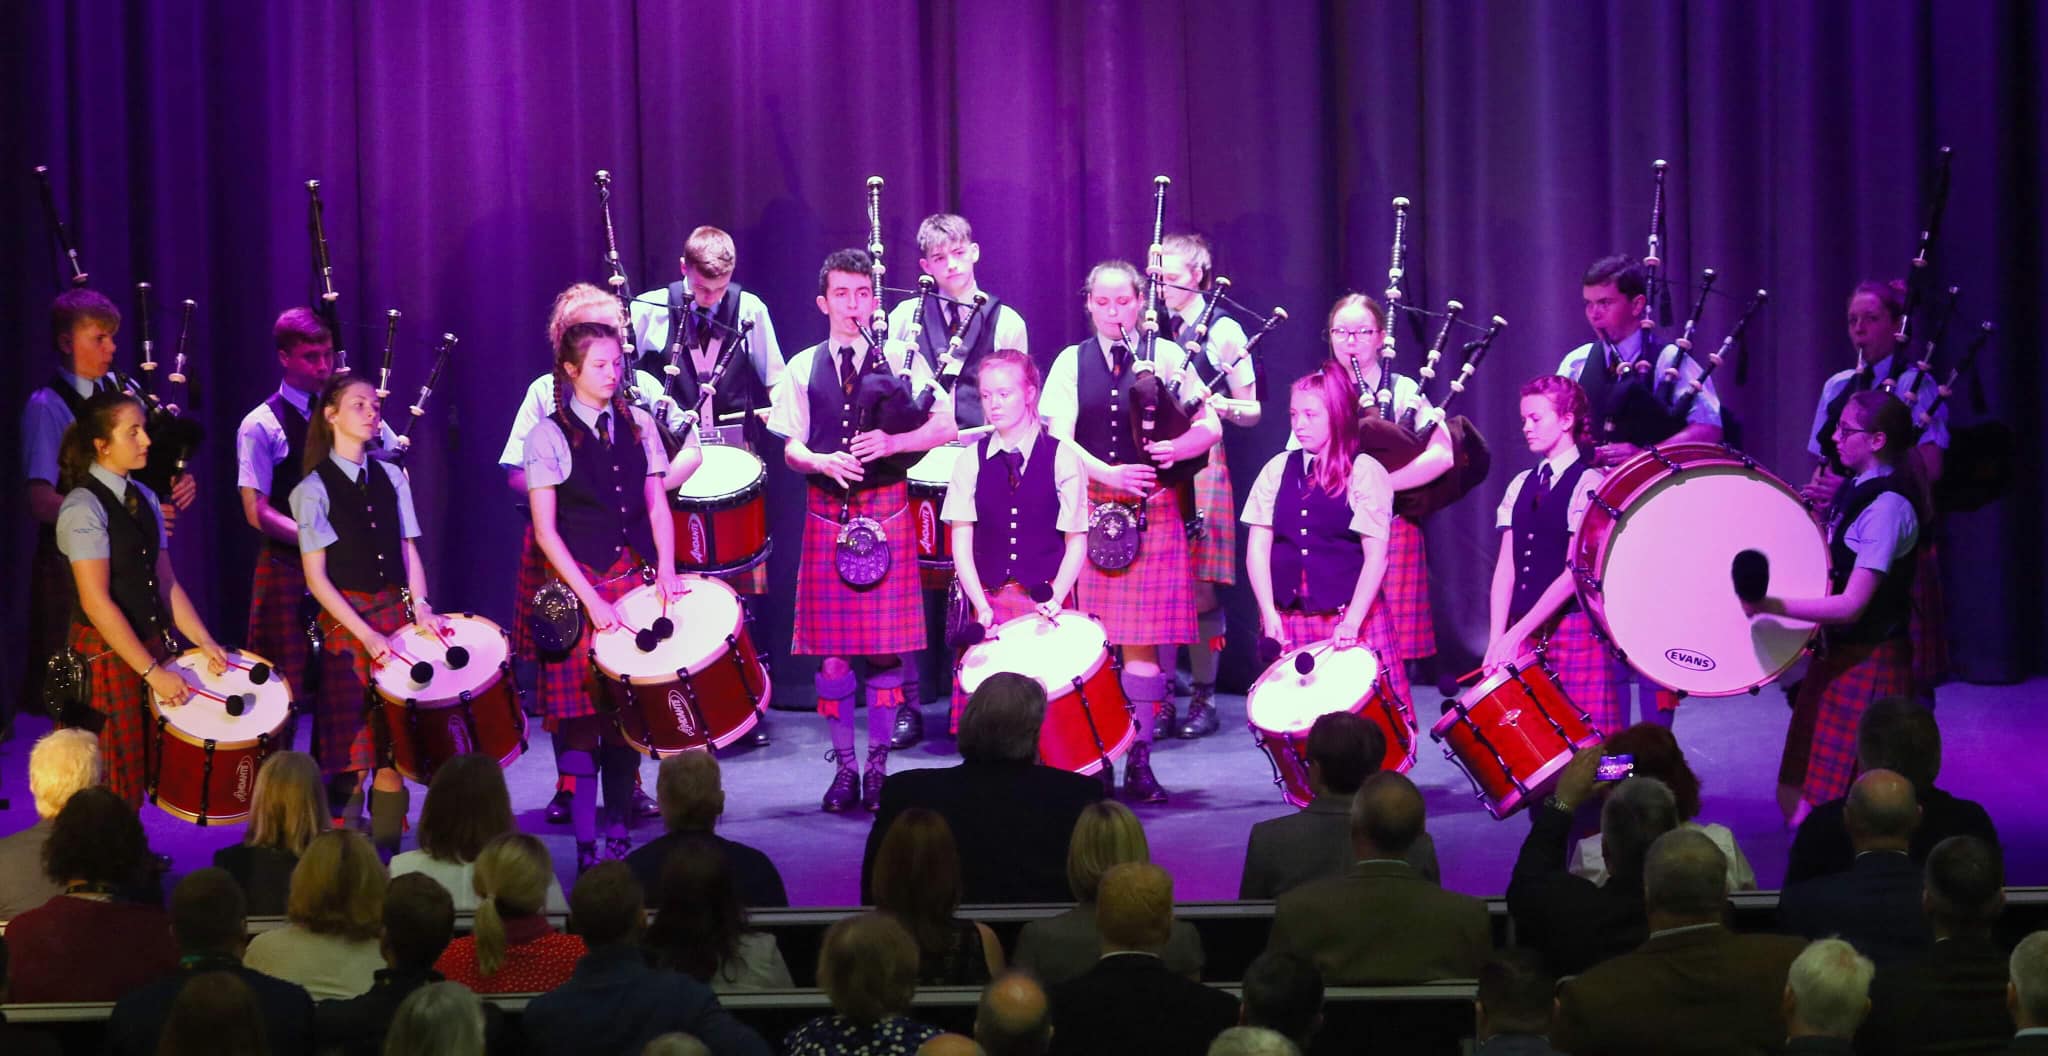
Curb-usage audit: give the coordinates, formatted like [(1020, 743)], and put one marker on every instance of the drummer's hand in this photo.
[(1503, 650), (1134, 477), (1161, 452), (1049, 609), (842, 467), (168, 686), (1576, 784), (216, 658), (184, 491), (602, 616), (672, 585), (426, 617), (985, 616), (873, 444), (1614, 454), (1764, 606), (378, 646), (1273, 627), (1346, 633)]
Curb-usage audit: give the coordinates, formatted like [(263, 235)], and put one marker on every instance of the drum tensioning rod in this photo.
[(1088, 713), (1537, 703)]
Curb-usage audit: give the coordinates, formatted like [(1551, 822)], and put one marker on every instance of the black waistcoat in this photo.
[(1543, 535), (602, 507), (131, 558), (1891, 608), (368, 553)]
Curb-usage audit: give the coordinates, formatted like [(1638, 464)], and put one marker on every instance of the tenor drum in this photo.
[(1653, 558), (928, 480), (1087, 716), (701, 685), (722, 513), (468, 701), (1286, 701), (1513, 733), (209, 748)]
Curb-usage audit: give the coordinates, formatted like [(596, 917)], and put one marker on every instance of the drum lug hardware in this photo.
[(206, 783), (1657, 453), (1608, 508), (469, 720)]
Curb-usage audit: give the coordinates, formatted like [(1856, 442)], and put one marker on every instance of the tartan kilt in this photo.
[(121, 698), (341, 736), (752, 581), (568, 687), (1010, 602), (1928, 626), (1152, 601), (1405, 591), (1587, 672), (533, 574), (1820, 746), (1376, 633), (1215, 553), (50, 600), (275, 632), (833, 619)]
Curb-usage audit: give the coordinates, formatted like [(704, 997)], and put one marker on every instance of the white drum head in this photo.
[(725, 470), (936, 467), (1670, 605), (487, 647), (1055, 652), (1284, 700), (203, 718), (703, 619)]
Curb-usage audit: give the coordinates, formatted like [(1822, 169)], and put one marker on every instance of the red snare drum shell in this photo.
[(1510, 755)]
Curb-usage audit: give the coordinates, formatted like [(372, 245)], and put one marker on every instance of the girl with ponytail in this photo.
[(513, 949), (111, 530)]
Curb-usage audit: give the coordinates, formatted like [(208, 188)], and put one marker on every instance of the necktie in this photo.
[(952, 314), (1173, 323), (846, 373), (132, 499), (604, 426), (1015, 461), (104, 385), (1119, 355), (1542, 483)]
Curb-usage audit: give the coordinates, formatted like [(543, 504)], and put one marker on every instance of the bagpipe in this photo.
[(889, 400)]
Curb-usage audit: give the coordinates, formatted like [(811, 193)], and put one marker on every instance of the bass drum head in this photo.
[(201, 718), (1666, 598), (1055, 652), (725, 471), (1284, 701), (703, 618), (483, 640)]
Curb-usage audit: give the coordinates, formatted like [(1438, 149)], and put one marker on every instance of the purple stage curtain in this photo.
[(455, 143)]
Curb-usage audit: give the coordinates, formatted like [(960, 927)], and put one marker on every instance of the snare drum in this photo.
[(1284, 703), (209, 748), (468, 703), (701, 686), (722, 513), (1653, 559), (1087, 717), (928, 480), (1513, 733)]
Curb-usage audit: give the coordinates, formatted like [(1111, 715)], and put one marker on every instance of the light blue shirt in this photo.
[(261, 443), (548, 459), (1706, 408), (1910, 380), (310, 504), (42, 428), (82, 519), (1887, 529)]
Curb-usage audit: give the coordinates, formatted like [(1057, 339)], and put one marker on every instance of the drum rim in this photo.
[(1094, 668), (1484, 687), (157, 708), (758, 483), (1286, 659), (669, 676), (504, 666)]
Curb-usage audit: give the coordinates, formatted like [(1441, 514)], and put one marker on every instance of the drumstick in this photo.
[(259, 672)]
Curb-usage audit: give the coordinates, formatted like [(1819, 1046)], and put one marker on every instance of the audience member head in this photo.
[(1899, 734), (1252, 1041), (1515, 991), (62, 763), (1134, 907), (917, 877), (95, 839), (607, 905), (467, 806), (2026, 990), (1827, 990), (1002, 720), (289, 804), (1284, 992), (689, 791), (209, 916), (1882, 812), (1386, 816), (1965, 889), (1014, 1018), (1344, 749), (1638, 811), (867, 966), (1657, 755), (949, 1045), (438, 1019), (698, 918), (675, 1043), (511, 879), (1685, 880), (419, 922), (215, 1014), (338, 887), (1106, 834)]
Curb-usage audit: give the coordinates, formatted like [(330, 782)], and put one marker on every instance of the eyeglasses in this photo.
[(1845, 430), (1359, 334)]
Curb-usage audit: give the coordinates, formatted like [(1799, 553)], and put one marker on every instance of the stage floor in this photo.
[(1222, 784)]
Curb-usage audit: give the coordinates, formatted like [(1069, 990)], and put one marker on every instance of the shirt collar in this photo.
[(1625, 350), (352, 470), (585, 413), (1192, 311), (1879, 470), (115, 482), (1560, 462), (300, 401), (997, 446), (79, 385)]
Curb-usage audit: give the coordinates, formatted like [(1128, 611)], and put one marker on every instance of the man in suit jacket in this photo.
[(1381, 923), (1897, 734), (1952, 998), (691, 795), (210, 921), (2026, 996), (1314, 842), (616, 1002), (1011, 817), (1694, 986), (1827, 994), (1573, 922), (1876, 904), (1129, 1002)]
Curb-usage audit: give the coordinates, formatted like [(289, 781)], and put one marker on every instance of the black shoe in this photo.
[(1181, 687), (644, 805), (871, 781), (586, 857), (558, 807), (758, 737), (1169, 717), (1139, 784), (845, 790), (1201, 714), (909, 727)]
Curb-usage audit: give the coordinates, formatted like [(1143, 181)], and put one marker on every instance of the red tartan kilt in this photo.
[(1928, 626), (274, 598), (340, 736), (121, 698), (1588, 673), (1405, 591), (1215, 553), (568, 687), (1820, 745), (533, 574), (833, 619), (752, 581), (1151, 601)]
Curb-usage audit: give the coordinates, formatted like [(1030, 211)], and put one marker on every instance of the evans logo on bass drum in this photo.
[(1689, 659)]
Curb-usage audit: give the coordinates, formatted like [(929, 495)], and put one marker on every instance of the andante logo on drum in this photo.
[(1690, 659), (927, 528), (699, 553), (245, 775), (677, 708)]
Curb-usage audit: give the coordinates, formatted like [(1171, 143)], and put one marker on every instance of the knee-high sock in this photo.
[(910, 679), (835, 702), (1146, 691), (1202, 659), (885, 691), (564, 781), (619, 765), (576, 762)]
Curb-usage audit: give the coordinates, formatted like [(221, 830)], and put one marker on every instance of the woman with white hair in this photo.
[(438, 1019), (60, 764)]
